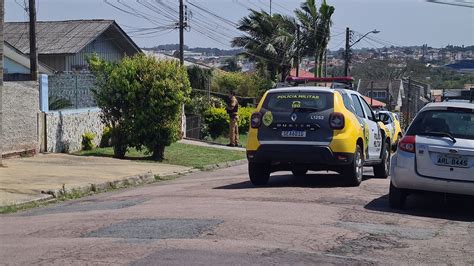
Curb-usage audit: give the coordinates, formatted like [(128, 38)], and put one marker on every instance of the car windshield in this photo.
[(302, 101), (458, 123)]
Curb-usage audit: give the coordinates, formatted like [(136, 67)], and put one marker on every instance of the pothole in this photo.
[(156, 229), (365, 244), (85, 206)]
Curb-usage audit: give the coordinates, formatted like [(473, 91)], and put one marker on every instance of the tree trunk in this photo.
[(283, 74), (119, 151), (316, 64), (158, 153), (119, 143), (321, 60)]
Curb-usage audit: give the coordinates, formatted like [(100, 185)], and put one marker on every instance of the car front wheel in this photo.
[(259, 173)]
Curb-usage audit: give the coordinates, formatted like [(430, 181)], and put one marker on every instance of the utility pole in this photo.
[(326, 63), (409, 101), (181, 32), (270, 7), (371, 93), (33, 48), (2, 3), (297, 49), (347, 52)]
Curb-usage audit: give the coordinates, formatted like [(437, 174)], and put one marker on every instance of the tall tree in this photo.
[(308, 17), (315, 30), (323, 34), (269, 40)]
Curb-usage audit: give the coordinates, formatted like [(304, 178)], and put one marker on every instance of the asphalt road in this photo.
[(220, 218)]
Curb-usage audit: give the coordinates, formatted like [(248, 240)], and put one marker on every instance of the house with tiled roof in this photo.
[(65, 45)]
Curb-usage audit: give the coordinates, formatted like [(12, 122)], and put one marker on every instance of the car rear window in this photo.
[(287, 101), (459, 123)]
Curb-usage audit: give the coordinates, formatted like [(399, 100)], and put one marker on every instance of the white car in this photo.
[(436, 154)]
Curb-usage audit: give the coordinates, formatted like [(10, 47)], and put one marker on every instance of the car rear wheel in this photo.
[(259, 173), (299, 172), (382, 170), (396, 197), (355, 171)]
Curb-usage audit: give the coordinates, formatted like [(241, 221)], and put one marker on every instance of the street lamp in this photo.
[(363, 36), (349, 45)]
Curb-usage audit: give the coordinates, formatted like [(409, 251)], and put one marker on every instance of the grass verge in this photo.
[(178, 154), (224, 140)]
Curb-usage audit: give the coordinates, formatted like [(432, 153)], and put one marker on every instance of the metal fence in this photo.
[(70, 90)]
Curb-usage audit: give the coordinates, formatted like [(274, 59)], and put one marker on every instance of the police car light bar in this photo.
[(302, 80)]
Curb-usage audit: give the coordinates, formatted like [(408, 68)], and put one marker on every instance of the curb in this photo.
[(145, 178), (224, 165)]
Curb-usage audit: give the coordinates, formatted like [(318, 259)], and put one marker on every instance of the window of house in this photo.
[(378, 94)]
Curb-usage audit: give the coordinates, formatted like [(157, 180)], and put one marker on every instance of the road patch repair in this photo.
[(156, 229), (47, 176)]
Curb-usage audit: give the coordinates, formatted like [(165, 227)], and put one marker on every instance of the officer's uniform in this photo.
[(232, 110)]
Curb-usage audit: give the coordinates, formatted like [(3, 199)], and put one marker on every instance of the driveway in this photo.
[(220, 218), (24, 179)]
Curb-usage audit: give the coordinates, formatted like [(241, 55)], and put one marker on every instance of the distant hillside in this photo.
[(206, 51)]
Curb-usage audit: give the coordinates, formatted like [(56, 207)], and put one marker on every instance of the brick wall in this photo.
[(20, 117), (65, 128)]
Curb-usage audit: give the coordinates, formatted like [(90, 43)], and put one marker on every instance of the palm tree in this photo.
[(324, 33), (308, 16), (269, 40), (316, 30)]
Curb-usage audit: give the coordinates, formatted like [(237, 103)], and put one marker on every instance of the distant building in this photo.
[(466, 66), (390, 92), (16, 64), (65, 45), (162, 56)]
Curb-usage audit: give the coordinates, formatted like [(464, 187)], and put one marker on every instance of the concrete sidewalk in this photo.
[(211, 145), (24, 179)]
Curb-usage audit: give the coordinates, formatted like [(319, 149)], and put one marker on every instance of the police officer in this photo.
[(232, 110)]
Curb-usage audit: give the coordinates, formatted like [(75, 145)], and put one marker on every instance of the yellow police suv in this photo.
[(392, 124), (316, 128)]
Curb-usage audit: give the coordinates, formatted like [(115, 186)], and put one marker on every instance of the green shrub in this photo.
[(244, 119), (88, 141), (217, 121), (244, 84), (106, 139), (141, 99)]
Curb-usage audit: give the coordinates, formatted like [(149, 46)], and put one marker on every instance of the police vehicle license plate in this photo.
[(453, 161), (293, 134)]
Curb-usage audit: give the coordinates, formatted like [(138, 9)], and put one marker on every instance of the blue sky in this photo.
[(400, 22)]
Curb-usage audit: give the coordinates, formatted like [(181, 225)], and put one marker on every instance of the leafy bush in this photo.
[(141, 100), (244, 119), (106, 139), (199, 78), (88, 141), (217, 121), (244, 84)]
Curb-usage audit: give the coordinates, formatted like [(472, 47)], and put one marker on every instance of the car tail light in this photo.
[(256, 120), (407, 144), (336, 121)]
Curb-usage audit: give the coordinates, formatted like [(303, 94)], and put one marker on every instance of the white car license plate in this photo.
[(293, 134), (453, 161)]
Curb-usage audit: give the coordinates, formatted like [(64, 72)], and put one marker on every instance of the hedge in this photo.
[(217, 121)]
